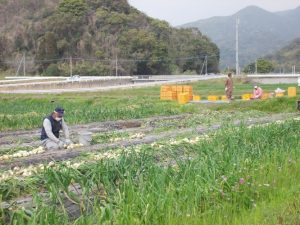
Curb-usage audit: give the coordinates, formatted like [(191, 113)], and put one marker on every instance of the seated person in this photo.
[(257, 93), (50, 131)]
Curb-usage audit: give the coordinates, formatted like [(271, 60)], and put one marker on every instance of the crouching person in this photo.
[(52, 125)]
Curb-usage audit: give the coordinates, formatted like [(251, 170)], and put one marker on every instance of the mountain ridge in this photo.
[(261, 32)]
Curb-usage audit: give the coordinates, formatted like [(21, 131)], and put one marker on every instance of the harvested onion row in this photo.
[(71, 146), (36, 151), (21, 154), (112, 154)]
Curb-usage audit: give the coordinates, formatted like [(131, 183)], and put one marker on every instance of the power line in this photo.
[(237, 66), (204, 56)]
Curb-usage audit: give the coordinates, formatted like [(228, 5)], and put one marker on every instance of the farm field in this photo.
[(152, 161), (25, 111)]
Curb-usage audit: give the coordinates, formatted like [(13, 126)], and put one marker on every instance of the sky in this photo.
[(178, 12)]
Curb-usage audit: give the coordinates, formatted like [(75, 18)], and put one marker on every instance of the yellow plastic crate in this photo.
[(265, 96), (246, 97), (280, 94), (165, 88), (174, 95), (213, 98), (187, 88), (166, 95), (183, 98), (179, 89), (196, 97), (224, 98), (292, 91), (174, 88)]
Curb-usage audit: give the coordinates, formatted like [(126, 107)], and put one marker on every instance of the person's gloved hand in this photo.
[(68, 142), (61, 144), (226, 89)]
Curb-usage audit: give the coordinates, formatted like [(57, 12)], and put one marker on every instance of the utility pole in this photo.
[(294, 69), (24, 64), (203, 64), (71, 67), (19, 66), (206, 65), (237, 66), (116, 65), (256, 66)]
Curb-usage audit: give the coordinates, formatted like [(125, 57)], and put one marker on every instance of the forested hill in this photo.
[(287, 57), (94, 33)]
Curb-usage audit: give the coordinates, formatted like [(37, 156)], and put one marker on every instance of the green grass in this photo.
[(240, 176), (241, 86), (27, 111)]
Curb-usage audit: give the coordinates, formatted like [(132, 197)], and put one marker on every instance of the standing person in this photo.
[(50, 131), (257, 93), (229, 87)]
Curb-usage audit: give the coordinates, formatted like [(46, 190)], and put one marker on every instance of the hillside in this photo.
[(94, 33), (287, 57), (261, 33)]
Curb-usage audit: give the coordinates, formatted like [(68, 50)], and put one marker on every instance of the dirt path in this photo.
[(61, 155), (167, 80), (12, 139)]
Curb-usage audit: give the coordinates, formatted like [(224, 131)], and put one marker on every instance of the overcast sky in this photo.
[(178, 12)]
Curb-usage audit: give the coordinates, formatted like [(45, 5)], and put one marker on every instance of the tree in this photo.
[(104, 29), (3, 46), (69, 28), (19, 42), (263, 66), (74, 7), (47, 49), (160, 60), (198, 51), (52, 70)]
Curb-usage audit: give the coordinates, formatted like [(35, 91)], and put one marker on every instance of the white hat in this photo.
[(255, 87)]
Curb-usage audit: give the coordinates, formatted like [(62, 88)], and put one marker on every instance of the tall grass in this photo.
[(235, 178), (26, 113)]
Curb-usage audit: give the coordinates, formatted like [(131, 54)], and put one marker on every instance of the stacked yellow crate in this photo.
[(173, 92), (179, 89), (189, 90), (165, 93)]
